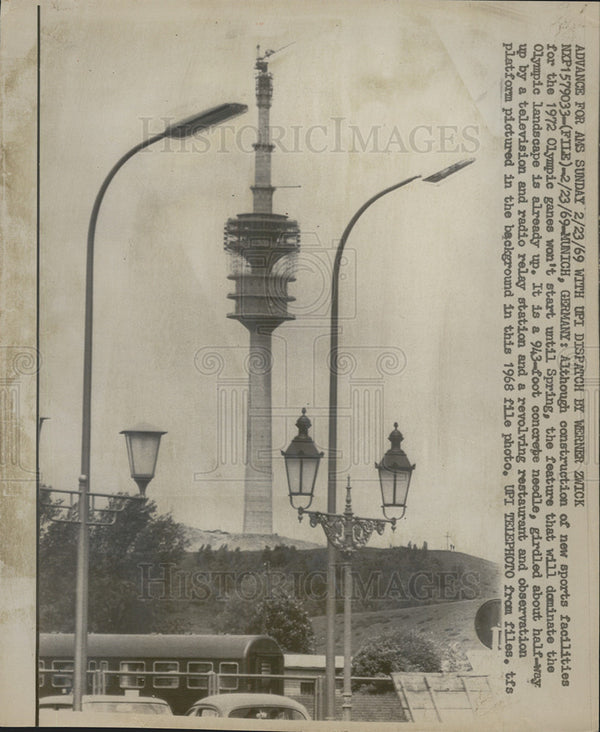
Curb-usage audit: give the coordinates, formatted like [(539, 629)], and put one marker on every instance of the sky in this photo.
[(365, 96)]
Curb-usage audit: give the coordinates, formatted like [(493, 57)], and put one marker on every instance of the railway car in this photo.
[(178, 668)]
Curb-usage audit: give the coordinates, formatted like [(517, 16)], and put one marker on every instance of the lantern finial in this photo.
[(348, 509), (395, 437), (303, 424)]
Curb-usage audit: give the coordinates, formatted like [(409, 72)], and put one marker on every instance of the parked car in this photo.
[(106, 703), (248, 706), (58, 703)]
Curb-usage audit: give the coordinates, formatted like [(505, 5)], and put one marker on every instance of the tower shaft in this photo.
[(258, 483)]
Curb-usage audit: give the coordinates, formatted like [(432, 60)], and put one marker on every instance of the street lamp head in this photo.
[(441, 174), (395, 472), (209, 118), (143, 442), (301, 464)]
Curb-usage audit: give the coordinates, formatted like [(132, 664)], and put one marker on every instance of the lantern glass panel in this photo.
[(309, 474), (143, 452), (293, 467), (394, 487), (301, 474)]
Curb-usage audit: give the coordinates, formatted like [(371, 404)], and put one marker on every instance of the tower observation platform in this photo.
[(263, 248)]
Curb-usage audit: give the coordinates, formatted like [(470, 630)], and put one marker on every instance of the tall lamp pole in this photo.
[(184, 128), (333, 409)]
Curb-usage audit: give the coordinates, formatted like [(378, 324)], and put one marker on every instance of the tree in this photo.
[(399, 651), (282, 616), (235, 616), (117, 601)]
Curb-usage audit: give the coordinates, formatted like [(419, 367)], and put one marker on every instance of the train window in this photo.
[(62, 681), (307, 687), (166, 682), (199, 667), (131, 681), (41, 677), (91, 665), (229, 683)]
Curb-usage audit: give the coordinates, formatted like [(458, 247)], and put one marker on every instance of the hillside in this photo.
[(447, 622), (435, 591)]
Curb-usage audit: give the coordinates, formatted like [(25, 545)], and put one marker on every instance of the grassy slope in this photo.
[(449, 622)]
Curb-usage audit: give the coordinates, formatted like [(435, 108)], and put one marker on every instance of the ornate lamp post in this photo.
[(345, 532)]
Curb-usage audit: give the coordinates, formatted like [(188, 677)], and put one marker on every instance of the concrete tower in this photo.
[(262, 246)]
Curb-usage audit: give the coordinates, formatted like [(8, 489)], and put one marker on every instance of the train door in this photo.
[(266, 665), (100, 677)]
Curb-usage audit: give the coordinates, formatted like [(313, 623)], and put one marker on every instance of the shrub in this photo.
[(399, 651)]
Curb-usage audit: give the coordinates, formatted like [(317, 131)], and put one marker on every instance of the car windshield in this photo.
[(266, 712), (134, 707)]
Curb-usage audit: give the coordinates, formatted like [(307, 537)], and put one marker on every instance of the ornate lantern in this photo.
[(395, 472), (302, 464)]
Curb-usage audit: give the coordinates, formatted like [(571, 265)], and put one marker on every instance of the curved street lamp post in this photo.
[(142, 441), (394, 481)]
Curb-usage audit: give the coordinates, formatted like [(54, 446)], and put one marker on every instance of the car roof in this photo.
[(122, 698), (56, 699), (227, 702), (68, 699)]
